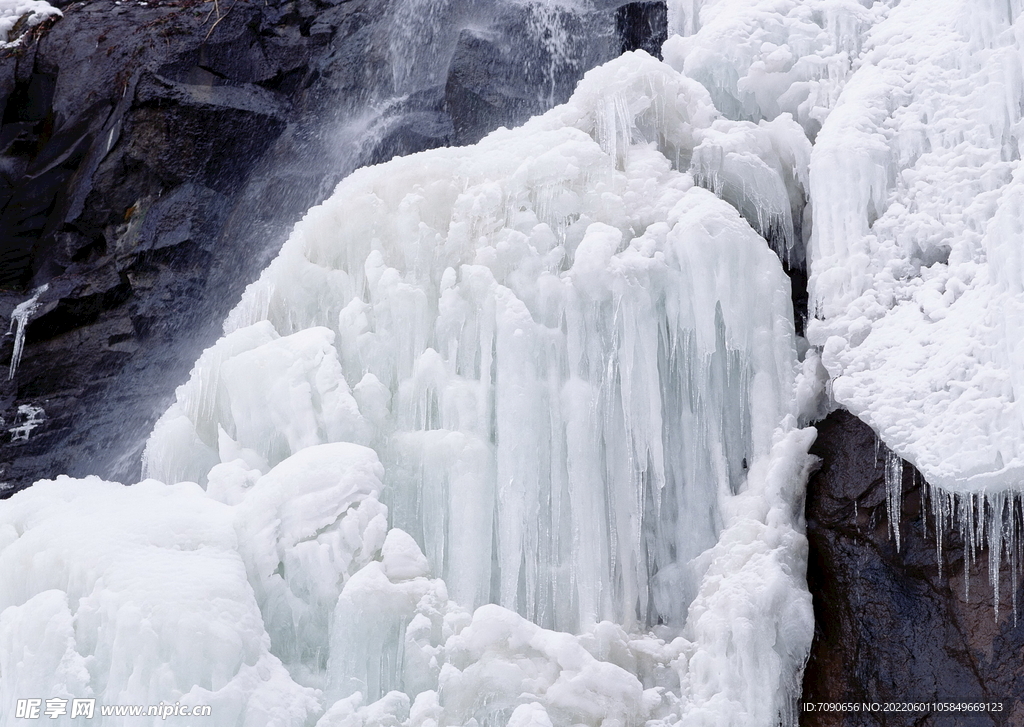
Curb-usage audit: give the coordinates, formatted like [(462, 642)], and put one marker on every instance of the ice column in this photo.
[(569, 358), (19, 322)]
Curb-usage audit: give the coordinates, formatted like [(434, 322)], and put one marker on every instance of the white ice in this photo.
[(915, 258), (507, 434), (19, 325), (27, 419), (913, 222), (134, 595), (510, 434)]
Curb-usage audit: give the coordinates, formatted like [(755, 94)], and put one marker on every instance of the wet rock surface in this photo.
[(890, 627), (153, 156)]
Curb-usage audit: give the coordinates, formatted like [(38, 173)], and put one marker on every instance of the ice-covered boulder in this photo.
[(134, 595)]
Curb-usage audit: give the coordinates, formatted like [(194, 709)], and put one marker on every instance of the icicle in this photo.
[(993, 515), (894, 493), (984, 520), (19, 322)]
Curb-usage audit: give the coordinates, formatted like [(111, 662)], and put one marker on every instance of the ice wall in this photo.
[(916, 275), (508, 434), (579, 373), (768, 60), (911, 221)]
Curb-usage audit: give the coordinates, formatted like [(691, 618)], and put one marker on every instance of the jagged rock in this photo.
[(888, 626)]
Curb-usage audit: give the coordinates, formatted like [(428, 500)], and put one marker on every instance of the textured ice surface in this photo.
[(916, 270), (770, 61), (575, 365), (507, 434), (763, 58), (913, 226), (916, 266), (134, 595)]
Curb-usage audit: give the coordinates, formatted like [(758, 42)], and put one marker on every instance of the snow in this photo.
[(134, 595), (33, 12), (915, 261)]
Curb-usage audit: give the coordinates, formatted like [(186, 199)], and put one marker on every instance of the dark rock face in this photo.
[(153, 156), (131, 131), (889, 628)]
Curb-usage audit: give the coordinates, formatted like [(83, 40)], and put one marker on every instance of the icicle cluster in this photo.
[(916, 274), (19, 323), (566, 356), (989, 522), (506, 435)]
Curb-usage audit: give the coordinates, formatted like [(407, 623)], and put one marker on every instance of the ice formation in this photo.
[(916, 272), (543, 338), (28, 417), (19, 323), (507, 434), (913, 229), (134, 595), (511, 434)]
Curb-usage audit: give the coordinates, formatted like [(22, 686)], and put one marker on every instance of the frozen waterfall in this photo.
[(915, 258), (546, 340), (516, 434), (547, 372)]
